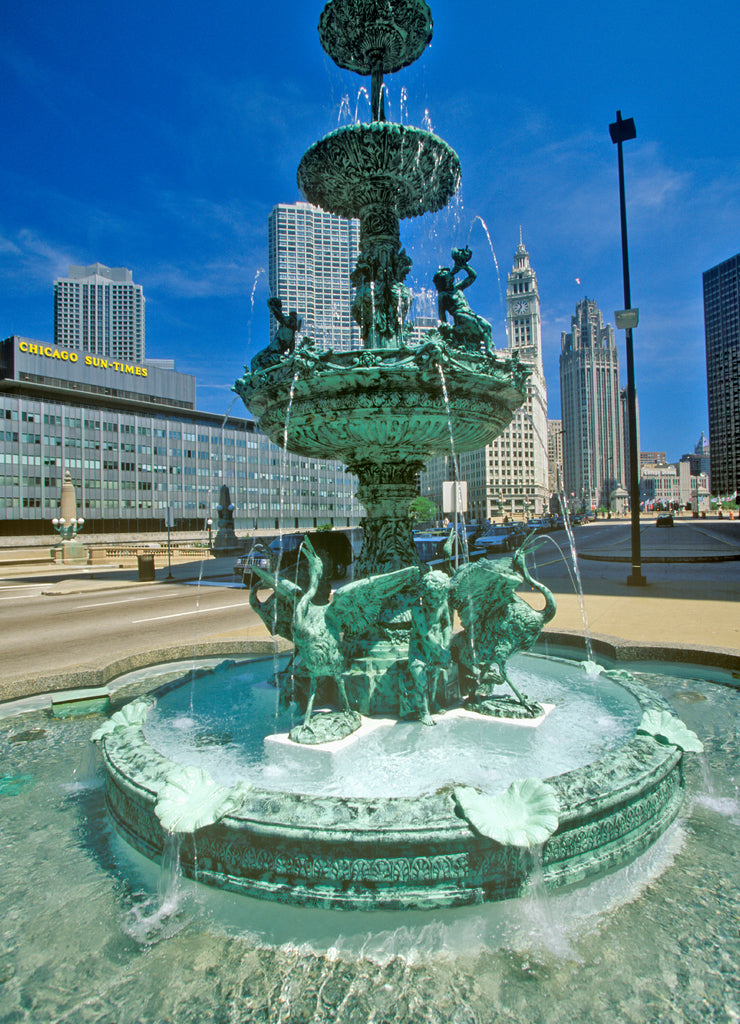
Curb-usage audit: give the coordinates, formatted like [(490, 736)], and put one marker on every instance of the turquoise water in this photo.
[(86, 935), (219, 723)]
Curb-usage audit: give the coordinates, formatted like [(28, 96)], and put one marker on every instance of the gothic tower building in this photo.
[(593, 434)]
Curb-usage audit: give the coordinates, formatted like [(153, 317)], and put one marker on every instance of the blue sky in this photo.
[(159, 136)]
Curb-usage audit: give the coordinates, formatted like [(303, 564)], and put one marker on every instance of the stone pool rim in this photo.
[(399, 852)]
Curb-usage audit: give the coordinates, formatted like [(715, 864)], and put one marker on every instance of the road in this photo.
[(65, 631)]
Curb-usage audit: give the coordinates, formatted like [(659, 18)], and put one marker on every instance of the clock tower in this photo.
[(523, 325)]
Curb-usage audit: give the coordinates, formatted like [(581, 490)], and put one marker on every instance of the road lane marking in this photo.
[(196, 611), (126, 600), (23, 586)]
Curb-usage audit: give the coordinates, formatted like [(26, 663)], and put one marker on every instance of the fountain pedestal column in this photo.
[(386, 492)]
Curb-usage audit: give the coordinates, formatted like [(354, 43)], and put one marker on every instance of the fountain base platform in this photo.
[(359, 852)]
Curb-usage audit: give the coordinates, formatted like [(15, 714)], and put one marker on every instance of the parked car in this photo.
[(430, 547), (519, 532), (664, 519), (494, 541), (283, 554), (258, 555), (333, 548)]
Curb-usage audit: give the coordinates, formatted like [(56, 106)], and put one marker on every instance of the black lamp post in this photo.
[(621, 131)]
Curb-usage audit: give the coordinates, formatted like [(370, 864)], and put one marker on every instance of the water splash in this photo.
[(483, 224), (455, 469), (426, 121), (156, 918), (345, 111), (260, 272), (727, 806), (86, 774), (284, 464), (403, 114), (572, 545), (362, 93)]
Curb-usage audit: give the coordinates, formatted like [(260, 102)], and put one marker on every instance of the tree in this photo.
[(422, 509)]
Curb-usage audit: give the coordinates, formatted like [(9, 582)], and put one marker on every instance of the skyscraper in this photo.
[(722, 337), (593, 439), (100, 310), (311, 254)]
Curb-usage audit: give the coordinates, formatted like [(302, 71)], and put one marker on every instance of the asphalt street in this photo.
[(43, 629)]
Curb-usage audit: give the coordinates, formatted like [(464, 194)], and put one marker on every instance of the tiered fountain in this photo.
[(385, 644)]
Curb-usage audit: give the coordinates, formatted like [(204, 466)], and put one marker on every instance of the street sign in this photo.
[(169, 517), (454, 496)]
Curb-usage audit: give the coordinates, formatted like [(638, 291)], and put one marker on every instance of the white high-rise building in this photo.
[(99, 310), (593, 441), (312, 254), (509, 477)]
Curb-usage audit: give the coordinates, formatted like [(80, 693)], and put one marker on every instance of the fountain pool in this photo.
[(398, 814), (86, 936)]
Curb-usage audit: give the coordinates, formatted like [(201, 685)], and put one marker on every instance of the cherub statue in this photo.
[(429, 647), (284, 341), (496, 621), (469, 330)]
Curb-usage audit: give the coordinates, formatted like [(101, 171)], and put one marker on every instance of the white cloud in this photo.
[(28, 257)]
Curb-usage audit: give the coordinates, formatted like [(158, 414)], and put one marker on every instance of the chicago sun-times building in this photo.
[(134, 445)]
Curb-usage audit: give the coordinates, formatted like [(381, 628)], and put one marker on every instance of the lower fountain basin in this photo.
[(349, 849)]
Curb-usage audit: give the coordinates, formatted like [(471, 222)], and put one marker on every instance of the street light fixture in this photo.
[(622, 131)]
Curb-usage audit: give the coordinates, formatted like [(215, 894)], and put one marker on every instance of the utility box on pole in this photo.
[(454, 496)]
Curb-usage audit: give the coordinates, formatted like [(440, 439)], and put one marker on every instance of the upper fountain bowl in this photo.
[(360, 34), (409, 170)]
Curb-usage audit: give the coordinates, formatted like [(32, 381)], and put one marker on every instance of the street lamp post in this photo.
[(621, 131)]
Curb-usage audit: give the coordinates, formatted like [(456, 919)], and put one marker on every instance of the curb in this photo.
[(630, 650), (644, 559), (100, 675)]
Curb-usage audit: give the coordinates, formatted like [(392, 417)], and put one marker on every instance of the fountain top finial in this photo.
[(369, 36)]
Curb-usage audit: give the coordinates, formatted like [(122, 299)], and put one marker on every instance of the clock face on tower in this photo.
[(521, 306)]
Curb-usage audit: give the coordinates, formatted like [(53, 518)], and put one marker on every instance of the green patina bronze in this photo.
[(384, 644)]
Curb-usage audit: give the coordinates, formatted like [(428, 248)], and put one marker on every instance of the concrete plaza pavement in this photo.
[(691, 600)]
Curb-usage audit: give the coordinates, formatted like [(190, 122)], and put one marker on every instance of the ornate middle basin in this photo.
[(407, 171), (385, 406)]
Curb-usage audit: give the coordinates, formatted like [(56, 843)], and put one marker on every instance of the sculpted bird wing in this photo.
[(356, 606), (476, 588)]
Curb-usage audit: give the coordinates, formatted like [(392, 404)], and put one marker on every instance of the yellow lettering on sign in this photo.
[(35, 349)]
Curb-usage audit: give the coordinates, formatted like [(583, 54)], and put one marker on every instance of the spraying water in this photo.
[(483, 224), (344, 116)]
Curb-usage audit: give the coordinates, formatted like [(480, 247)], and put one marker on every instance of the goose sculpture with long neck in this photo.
[(320, 632)]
